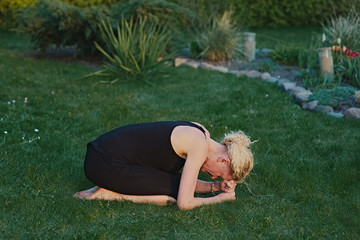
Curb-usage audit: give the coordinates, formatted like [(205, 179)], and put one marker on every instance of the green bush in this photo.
[(332, 97), (136, 49), (55, 23), (9, 9), (218, 41)]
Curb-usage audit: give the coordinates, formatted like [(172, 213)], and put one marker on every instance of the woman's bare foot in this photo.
[(104, 194), (84, 194), (98, 193)]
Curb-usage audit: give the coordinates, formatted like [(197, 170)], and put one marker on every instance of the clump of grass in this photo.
[(218, 41), (286, 53), (345, 28)]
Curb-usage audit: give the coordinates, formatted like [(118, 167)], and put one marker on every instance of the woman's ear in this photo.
[(225, 160)]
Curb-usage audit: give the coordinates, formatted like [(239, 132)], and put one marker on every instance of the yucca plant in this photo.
[(134, 50), (220, 40)]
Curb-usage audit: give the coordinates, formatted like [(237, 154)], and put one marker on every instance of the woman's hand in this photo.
[(228, 186), (226, 196)]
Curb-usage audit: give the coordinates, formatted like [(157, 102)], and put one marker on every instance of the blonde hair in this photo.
[(242, 159)]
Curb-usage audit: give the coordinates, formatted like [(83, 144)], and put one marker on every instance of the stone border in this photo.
[(300, 94)]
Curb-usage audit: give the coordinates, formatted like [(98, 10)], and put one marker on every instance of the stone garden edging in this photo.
[(299, 94)]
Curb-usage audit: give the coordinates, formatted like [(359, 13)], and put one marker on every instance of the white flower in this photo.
[(5, 132), (13, 101), (36, 130), (38, 137)]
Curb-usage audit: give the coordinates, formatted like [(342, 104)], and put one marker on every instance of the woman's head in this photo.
[(242, 160)]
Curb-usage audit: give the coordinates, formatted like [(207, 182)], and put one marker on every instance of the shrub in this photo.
[(136, 49), (57, 23), (220, 40), (332, 97), (8, 9)]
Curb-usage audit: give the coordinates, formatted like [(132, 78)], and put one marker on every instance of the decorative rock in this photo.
[(281, 81), (357, 97), (265, 75), (336, 114), (241, 73), (235, 72), (303, 96), (288, 86), (296, 90), (310, 105), (272, 79), (220, 69), (253, 74), (323, 109), (193, 64), (206, 65), (265, 51), (180, 60), (353, 113)]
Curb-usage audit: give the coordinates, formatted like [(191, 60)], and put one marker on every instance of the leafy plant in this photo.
[(286, 54), (332, 97), (134, 50), (220, 40), (350, 70)]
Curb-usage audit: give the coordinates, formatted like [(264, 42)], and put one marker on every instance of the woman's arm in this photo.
[(223, 186), (196, 150)]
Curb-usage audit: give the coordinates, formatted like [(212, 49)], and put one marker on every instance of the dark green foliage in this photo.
[(332, 97), (275, 12), (55, 23), (157, 10)]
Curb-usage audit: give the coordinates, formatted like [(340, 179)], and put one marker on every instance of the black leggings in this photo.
[(129, 179)]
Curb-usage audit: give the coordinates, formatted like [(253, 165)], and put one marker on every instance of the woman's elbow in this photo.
[(184, 205)]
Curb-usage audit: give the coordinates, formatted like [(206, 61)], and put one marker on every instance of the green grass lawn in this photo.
[(305, 183)]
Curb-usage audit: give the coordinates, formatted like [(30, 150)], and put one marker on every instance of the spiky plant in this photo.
[(220, 40), (344, 28), (135, 49)]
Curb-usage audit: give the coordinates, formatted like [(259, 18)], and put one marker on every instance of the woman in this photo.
[(141, 163)]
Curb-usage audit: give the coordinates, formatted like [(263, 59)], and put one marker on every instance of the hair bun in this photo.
[(237, 137)]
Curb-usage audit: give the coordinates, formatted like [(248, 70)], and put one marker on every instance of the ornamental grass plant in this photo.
[(305, 182), (219, 40), (134, 49)]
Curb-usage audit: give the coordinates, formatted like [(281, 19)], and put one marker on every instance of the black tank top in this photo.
[(145, 144)]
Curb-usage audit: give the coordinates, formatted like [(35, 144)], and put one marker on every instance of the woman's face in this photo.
[(218, 170)]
